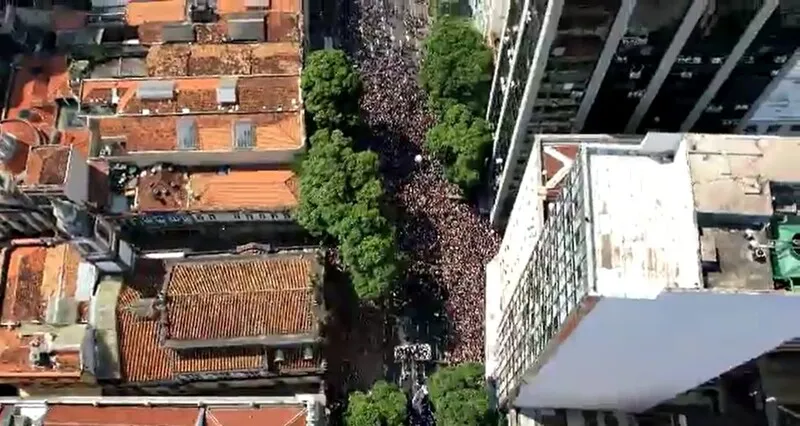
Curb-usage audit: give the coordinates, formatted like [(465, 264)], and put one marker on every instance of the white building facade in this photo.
[(630, 273)]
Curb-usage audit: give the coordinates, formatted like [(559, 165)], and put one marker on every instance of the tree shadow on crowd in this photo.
[(358, 341)]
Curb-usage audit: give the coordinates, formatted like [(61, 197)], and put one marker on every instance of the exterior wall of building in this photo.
[(632, 354), (207, 158)]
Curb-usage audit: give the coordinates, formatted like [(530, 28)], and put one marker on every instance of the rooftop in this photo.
[(47, 165), (167, 189), (195, 95), (165, 415), (31, 110), (658, 202), (271, 295), (45, 306), (187, 59), (145, 358), (206, 132)]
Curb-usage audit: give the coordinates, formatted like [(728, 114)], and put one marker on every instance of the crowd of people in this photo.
[(447, 241)]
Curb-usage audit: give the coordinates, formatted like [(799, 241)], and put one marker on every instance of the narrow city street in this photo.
[(440, 298)]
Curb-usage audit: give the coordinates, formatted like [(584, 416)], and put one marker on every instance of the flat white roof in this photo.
[(644, 231)]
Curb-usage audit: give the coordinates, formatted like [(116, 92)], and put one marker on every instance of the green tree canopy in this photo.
[(331, 88), (340, 196), (384, 405), (459, 396), (456, 66), (461, 142)]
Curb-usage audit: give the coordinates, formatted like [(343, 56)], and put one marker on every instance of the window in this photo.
[(187, 133), (795, 128), (773, 129), (212, 217), (751, 129), (244, 135)]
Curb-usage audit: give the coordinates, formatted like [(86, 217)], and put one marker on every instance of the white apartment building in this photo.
[(631, 272)]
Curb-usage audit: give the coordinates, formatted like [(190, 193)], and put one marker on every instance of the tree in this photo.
[(331, 88), (384, 405), (459, 396), (340, 196), (461, 142), (456, 66)]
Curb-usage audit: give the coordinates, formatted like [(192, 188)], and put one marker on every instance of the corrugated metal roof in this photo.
[(177, 33), (187, 133), (247, 29), (156, 90)]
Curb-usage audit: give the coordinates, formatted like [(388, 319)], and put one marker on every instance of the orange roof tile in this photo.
[(27, 135), (15, 363), (34, 275), (143, 11), (292, 6), (88, 415), (261, 190), (144, 359), (263, 416), (271, 295), (36, 85), (254, 94), (184, 59), (47, 165), (274, 131), (283, 26), (244, 189)]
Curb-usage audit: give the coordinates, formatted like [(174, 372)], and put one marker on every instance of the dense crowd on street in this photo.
[(445, 238)]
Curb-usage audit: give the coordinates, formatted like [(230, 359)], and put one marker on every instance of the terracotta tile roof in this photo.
[(35, 87), (183, 59), (34, 275), (209, 360), (216, 32), (257, 190), (254, 94), (15, 361), (144, 359), (263, 416), (27, 136), (143, 11), (141, 356), (283, 26), (270, 295), (47, 165), (88, 415), (273, 131), (293, 6)]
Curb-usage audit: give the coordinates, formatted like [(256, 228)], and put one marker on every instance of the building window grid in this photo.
[(553, 283), (519, 77), (504, 60)]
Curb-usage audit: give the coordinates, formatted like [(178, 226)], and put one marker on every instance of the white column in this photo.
[(541, 54), (674, 49), (730, 63), (609, 50)]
